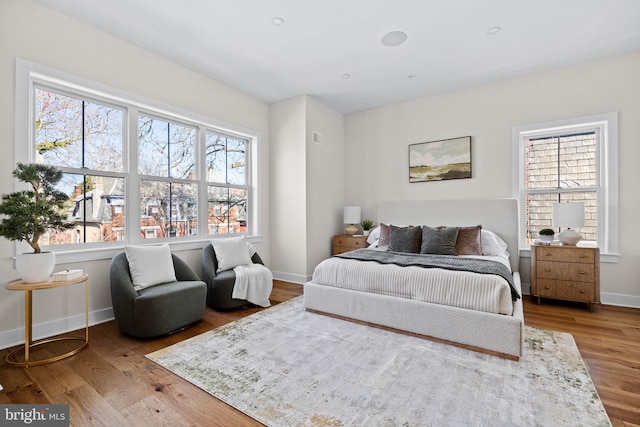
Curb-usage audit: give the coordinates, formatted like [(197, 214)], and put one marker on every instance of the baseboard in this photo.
[(288, 277), (55, 327), (620, 300)]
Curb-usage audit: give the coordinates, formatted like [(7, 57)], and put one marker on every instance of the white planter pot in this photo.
[(546, 239), (35, 267), (366, 232)]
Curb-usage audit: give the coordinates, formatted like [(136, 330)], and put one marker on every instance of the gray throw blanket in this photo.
[(447, 262)]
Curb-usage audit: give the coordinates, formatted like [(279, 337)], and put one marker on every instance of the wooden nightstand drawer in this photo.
[(583, 255), (344, 243), (566, 290), (565, 271)]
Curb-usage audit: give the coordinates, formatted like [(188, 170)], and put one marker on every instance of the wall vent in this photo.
[(317, 138)]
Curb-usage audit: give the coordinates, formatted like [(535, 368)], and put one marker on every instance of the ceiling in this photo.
[(332, 50)]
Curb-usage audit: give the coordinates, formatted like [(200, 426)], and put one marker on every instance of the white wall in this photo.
[(288, 183), (325, 181), (307, 181), (381, 137), (38, 34)]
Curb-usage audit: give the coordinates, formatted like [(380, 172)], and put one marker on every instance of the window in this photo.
[(572, 160), (168, 188), (134, 169), (227, 189), (85, 139)]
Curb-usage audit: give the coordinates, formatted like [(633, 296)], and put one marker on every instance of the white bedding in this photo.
[(481, 292)]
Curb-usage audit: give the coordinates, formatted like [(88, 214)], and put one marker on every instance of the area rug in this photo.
[(286, 367)]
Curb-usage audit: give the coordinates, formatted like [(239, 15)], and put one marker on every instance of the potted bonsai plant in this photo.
[(546, 235), (367, 225), (28, 214)]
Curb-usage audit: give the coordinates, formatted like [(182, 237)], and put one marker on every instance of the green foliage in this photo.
[(30, 213), (546, 232), (366, 224)]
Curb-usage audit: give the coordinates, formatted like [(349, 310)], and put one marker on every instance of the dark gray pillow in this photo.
[(439, 241), (405, 239)]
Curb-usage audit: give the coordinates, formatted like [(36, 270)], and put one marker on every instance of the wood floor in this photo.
[(111, 383)]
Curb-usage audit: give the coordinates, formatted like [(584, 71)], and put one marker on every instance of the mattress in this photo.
[(480, 292)]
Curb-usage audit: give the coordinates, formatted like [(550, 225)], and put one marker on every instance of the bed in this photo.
[(496, 329)]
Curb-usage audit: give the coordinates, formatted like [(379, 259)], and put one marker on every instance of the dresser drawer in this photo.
[(566, 290), (344, 243), (566, 271), (581, 255), (348, 242)]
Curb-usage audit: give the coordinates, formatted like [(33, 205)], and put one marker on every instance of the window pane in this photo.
[(538, 213), (62, 141), (58, 129), (103, 144), (226, 159), (236, 161), (95, 207), (227, 210), (578, 161), (561, 161), (216, 158), (166, 149), (168, 209), (539, 208), (541, 163)]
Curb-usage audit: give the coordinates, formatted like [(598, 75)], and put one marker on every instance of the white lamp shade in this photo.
[(352, 214), (568, 215)]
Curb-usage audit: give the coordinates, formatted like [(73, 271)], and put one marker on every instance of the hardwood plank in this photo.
[(111, 382)]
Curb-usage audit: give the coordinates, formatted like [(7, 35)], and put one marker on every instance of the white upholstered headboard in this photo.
[(497, 215)]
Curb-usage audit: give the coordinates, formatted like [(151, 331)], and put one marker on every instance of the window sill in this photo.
[(96, 254)]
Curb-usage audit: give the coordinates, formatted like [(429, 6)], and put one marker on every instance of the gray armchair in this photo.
[(220, 285), (159, 309)]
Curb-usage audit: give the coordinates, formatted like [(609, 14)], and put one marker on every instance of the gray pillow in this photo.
[(405, 239), (439, 241)]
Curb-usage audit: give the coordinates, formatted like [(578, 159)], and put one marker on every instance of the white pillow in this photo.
[(150, 265), (492, 244), (374, 236), (231, 252)]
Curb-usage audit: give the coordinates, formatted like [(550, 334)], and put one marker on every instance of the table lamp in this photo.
[(568, 215), (351, 217)]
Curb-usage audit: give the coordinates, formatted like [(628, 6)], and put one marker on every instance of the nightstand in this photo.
[(345, 243), (569, 273)]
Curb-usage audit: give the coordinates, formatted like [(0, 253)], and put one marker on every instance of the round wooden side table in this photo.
[(29, 344)]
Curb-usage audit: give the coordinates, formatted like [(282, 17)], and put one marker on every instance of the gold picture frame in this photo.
[(440, 160)]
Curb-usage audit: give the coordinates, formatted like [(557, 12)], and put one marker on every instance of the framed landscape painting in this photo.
[(440, 160)]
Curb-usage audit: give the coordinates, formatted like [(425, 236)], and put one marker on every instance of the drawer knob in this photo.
[(547, 269), (546, 287), (582, 272), (547, 254), (582, 291)]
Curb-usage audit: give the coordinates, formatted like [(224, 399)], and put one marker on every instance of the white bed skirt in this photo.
[(496, 333)]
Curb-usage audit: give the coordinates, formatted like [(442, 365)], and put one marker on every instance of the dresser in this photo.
[(345, 243), (570, 273)]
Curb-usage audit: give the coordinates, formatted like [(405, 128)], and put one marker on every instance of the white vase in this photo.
[(35, 267), (366, 232)]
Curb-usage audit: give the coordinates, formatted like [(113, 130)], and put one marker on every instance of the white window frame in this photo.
[(607, 174), (29, 74)]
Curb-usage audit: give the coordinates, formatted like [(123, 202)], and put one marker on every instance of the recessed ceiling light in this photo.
[(394, 38), (346, 76), (277, 21), (494, 30)]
